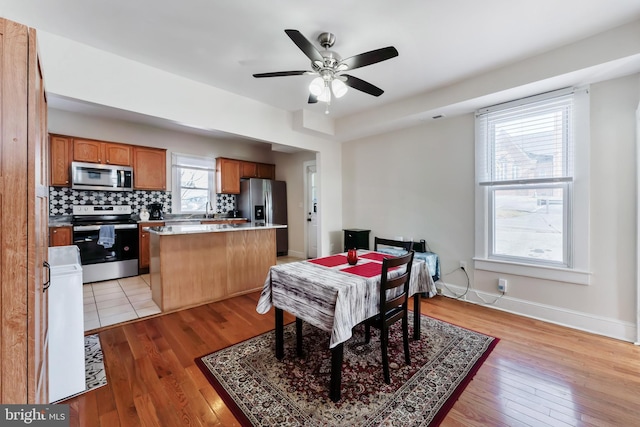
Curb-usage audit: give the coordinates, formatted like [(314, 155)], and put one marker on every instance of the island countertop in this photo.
[(167, 230)]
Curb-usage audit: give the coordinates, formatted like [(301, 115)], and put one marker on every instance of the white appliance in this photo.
[(66, 323)]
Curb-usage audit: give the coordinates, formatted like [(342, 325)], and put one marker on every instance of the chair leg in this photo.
[(405, 339), (384, 341)]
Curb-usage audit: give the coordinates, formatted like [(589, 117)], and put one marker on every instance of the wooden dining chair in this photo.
[(394, 301), (404, 244)]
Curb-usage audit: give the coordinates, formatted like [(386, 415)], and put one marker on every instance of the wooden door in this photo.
[(38, 231), (116, 154), (149, 168), (23, 219), (61, 156)]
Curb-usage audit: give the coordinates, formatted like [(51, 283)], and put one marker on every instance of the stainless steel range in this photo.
[(108, 241)]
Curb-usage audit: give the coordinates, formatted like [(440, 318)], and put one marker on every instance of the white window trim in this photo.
[(196, 162), (578, 273)]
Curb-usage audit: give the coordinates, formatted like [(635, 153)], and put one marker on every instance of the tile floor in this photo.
[(115, 301)]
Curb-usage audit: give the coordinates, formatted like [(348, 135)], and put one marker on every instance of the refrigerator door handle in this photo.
[(267, 208)]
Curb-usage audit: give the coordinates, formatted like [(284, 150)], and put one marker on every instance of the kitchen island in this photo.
[(197, 264)]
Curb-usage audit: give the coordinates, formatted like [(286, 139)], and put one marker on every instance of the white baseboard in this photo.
[(297, 254), (613, 328)]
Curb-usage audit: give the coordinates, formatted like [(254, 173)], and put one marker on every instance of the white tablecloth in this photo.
[(331, 299)]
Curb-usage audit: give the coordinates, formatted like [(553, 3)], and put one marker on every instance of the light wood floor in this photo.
[(539, 374)]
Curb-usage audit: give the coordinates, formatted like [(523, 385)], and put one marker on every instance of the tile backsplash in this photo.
[(62, 199)]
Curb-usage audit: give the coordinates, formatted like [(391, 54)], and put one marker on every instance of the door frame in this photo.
[(307, 208)]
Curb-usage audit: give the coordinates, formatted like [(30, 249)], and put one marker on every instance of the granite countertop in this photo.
[(193, 220), (168, 230)]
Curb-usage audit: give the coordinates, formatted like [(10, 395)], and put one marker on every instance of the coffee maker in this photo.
[(155, 211)]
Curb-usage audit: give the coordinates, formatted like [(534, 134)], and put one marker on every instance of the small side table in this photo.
[(356, 238)]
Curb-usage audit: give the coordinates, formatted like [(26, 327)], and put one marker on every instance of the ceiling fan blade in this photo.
[(312, 99), (305, 45), (370, 57), (282, 74), (363, 86)]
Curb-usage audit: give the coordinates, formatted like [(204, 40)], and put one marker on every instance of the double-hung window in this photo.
[(526, 177), (193, 180)]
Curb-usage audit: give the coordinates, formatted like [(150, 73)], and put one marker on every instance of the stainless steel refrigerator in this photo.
[(265, 201)]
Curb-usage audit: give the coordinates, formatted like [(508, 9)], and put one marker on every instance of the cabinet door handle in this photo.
[(48, 282)]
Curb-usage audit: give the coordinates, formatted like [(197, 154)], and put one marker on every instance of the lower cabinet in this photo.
[(143, 245), (224, 221), (60, 236)]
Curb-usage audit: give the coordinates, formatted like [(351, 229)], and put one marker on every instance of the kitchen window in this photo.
[(532, 186), (193, 180)]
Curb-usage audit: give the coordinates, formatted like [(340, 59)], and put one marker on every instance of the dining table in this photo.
[(334, 296)]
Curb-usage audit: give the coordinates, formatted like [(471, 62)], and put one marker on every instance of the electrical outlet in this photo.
[(463, 265), (502, 285)]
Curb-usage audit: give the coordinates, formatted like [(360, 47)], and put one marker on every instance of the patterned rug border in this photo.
[(437, 419)]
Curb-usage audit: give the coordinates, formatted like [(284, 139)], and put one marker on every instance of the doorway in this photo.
[(312, 209)]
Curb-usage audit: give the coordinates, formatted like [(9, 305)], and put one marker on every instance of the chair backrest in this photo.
[(405, 244), (388, 306)]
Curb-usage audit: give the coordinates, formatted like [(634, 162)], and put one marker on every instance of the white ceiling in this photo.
[(222, 43)]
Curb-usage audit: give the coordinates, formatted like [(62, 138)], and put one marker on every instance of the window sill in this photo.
[(539, 272)]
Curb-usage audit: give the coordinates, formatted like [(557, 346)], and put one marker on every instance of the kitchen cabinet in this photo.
[(110, 153), (149, 168), (143, 245), (224, 221), (60, 236), (356, 238), (257, 170), (227, 176), (60, 157), (266, 171)]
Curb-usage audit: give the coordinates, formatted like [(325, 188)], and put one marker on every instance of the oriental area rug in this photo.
[(263, 391)]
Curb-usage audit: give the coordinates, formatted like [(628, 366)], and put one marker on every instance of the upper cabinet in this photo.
[(248, 170), (149, 168), (257, 170), (266, 171), (61, 151), (149, 164), (110, 153), (227, 176)]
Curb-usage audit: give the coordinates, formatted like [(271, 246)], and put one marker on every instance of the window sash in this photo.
[(527, 140), (522, 236), (187, 162)]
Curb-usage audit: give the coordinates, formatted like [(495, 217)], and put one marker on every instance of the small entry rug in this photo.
[(262, 391), (93, 364)]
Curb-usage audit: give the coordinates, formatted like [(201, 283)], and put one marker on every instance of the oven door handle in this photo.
[(97, 227)]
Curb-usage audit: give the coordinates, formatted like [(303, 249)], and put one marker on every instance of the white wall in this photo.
[(290, 168), (419, 182)]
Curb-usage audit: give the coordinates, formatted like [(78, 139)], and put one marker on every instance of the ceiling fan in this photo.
[(329, 68)]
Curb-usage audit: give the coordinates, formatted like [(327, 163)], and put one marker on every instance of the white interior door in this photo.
[(312, 212)]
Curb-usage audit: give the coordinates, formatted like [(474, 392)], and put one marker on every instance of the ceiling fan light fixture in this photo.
[(317, 86), (325, 96), (339, 88)]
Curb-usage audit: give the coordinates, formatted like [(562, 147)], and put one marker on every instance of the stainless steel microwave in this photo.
[(94, 176)]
